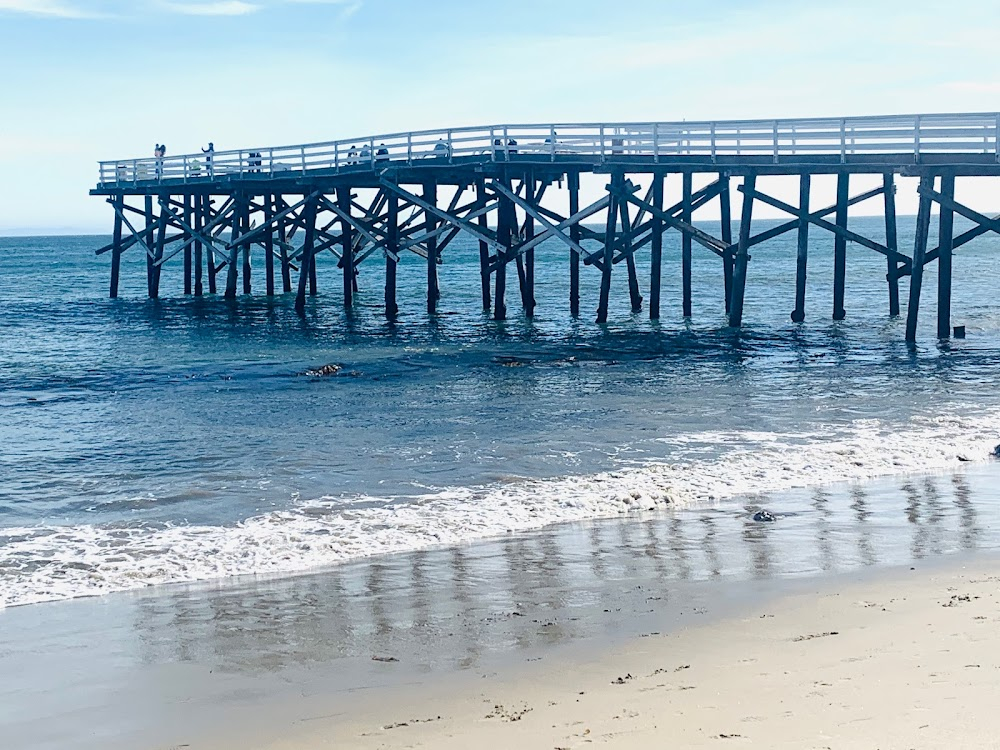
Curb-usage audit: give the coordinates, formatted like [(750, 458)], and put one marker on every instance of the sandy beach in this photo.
[(907, 660)]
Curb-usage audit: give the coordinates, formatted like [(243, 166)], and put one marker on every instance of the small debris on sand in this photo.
[(384, 658)]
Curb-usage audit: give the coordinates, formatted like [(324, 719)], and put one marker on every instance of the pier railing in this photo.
[(595, 143)]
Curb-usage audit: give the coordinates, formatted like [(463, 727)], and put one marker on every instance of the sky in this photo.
[(86, 80)]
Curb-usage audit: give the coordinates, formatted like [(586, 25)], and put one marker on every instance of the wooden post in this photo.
[(246, 247), (891, 242), (686, 244), (610, 232), (268, 199), (840, 247), (742, 253), (529, 255), (286, 268), (210, 258), (116, 242), (189, 220), (656, 252), (919, 252), (161, 236), (391, 252), (799, 313), (725, 211), (635, 297), (148, 239), (309, 216), (945, 245), (484, 249), (573, 183), (504, 232), (347, 245), (433, 292), (232, 272), (198, 226)]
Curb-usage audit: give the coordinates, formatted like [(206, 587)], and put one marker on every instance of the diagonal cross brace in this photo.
[(530, 210)]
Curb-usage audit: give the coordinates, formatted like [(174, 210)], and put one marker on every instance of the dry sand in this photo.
[(911, 660)]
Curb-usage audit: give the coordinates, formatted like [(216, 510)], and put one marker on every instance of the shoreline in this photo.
[(181, 664)]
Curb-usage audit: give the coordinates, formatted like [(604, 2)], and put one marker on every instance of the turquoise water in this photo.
[(177, 440)]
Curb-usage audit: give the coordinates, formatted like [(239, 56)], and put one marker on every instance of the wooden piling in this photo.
[(505, 222), (286, 266), (802, 257), (686, 244), (210, 250), (116, 241), (189, 220), (232, 270), (484, 248), (433, 289), (305, 264), (919, 252), (161, 236), (635, 296), (529, 255), (269, 244), (198, 226), (148, 239), (573, 185), (347, 245), (610, 235), (891, 242), (946, 238), (739, 281), (840, 247), (726, 234), (247, 270), (391, 253), (656, 251)]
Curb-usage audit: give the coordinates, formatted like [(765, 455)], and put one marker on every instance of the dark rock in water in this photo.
[(996, 452), (964, 459), (763, 516), (324, 370)]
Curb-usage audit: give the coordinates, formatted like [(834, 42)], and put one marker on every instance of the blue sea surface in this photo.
[(145, 441)]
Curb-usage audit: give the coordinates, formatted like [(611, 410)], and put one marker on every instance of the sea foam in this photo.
[(47, 563)]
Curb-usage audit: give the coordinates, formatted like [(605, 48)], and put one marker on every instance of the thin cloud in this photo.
[(348, 7), (49, 8), (221, 8)]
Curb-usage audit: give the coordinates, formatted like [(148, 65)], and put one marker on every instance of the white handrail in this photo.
[(916, 135)]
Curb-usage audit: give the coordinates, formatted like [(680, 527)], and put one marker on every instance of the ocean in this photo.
[(180, 440)]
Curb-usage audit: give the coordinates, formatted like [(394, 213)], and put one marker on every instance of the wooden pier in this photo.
[(374, 198)]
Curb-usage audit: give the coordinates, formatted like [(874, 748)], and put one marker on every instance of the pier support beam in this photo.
[(116, 245), (742, 252), (528, 298), (199, 227), (656, 251), (391, 255), (635, 296), (269, 244), (347, 245), (148, 239), (610, 233), (161, 236), (686, 244), (946, 239), (305, 264), (802, 257), (189, 201), (726, 234), (245, 221), (286, 266), (840, 247), (433, 289), (573, 184), (505, 228), (232, 270), (484, 249), (210, 250), (891, 242), (919, 252)]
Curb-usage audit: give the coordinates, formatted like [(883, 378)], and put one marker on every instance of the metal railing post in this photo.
[(656, 142), (302, 155), (916, 138), (552, 142), (713, 146), (603, 157), (843, 141), (451, 148), (270, 161), (409, 149), (996, 137), (774, 131)]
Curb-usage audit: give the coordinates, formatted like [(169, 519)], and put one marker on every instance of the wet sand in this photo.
[(525, 619), (910, 660)]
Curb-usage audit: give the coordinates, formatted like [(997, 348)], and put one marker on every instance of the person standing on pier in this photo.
[(159, 152), (209, 153)]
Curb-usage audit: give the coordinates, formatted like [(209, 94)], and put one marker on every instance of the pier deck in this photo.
[(295, 203)]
